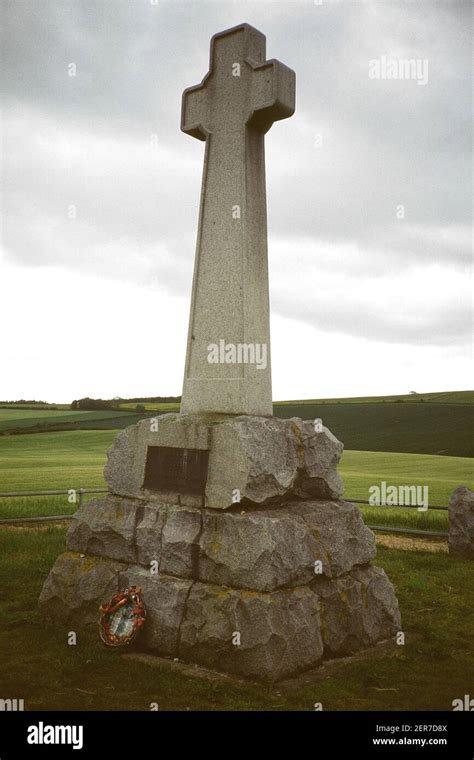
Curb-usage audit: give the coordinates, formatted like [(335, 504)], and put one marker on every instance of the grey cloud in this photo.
[(448, 328), (384, 143)]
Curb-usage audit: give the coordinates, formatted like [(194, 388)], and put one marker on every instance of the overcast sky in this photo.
[(366, 297)]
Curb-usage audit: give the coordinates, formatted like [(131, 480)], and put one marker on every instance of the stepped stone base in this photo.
[(207, 576), (281, 632), (261, 549), (264, 588)]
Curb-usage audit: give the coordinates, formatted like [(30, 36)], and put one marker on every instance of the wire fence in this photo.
[(81, 492)]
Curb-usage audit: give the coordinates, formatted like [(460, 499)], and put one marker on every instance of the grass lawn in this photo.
[(435, 666)]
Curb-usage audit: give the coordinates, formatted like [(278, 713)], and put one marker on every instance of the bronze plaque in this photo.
[(177, 470)]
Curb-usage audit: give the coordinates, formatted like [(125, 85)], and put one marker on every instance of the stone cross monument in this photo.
[(232, 109), (230, 520)]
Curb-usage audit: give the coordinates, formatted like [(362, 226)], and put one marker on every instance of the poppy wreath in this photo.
[(131, 598)]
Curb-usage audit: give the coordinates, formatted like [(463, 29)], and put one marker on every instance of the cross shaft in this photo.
[(232, 109)]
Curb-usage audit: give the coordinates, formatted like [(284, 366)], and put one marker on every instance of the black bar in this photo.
[(123, 735)]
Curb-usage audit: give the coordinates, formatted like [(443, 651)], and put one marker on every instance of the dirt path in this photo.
[(412, 543)]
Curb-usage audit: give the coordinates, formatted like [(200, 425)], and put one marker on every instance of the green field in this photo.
[(41, 461), (48, 461), (70, 450), (433, 424), (75, 459), (150, 406), (435, 665), (8, 416), (442, 397), (29, 420), (442, 475), (430, 428)]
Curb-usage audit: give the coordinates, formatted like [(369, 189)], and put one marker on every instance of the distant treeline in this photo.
[(28, 404), (24, 402), (93, 404)]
